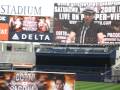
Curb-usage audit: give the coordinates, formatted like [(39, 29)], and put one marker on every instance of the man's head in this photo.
[(59, 82), (89, 14), (116, 25), (42, 19)]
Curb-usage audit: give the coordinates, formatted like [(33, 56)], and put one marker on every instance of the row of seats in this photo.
[(76, 68), (82, 73), (10, 66), (6, 66)]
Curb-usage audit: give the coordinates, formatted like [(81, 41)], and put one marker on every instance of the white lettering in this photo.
[(35, 37), (3, 31), (2, 18), (47, 37), (75, 16), (64, 16), (61, 33), (113, 34), (101, 17), (24, 36), (115, 16)]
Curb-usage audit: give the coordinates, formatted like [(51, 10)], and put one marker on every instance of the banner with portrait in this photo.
[(71, 18), (25, 28), (31, 80)]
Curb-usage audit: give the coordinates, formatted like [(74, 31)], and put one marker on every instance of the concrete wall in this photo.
[(18, 57), (17, 52)]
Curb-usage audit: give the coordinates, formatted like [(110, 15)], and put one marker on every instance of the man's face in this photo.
[(116, 28), (59, 84), (88, 18), (18, 23)]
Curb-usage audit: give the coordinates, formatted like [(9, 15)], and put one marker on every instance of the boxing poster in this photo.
[(25, 28), (32, 80), (94, 23)]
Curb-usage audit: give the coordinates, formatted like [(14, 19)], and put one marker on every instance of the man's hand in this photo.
[(71, 37), (101, 38)]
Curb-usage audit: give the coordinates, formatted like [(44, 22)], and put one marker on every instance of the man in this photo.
[(59, 83), (86, 32), (16, 23), (112, 33), (42, 82), (43, 25), (5, 79), (115, 26)]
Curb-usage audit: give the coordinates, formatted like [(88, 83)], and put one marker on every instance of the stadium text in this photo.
[(20, 10)]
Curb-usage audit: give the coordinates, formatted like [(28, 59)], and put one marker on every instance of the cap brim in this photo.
[(88, 12)]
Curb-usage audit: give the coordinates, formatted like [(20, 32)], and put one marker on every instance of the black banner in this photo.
[(30, 36), (87, 23)]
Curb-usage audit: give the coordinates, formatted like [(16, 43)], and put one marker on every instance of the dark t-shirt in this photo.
[(90, 36)]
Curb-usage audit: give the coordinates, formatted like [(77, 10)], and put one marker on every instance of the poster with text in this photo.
[(4, 28), (30, 28), (28, 80), (94, 23), (25, 28)]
